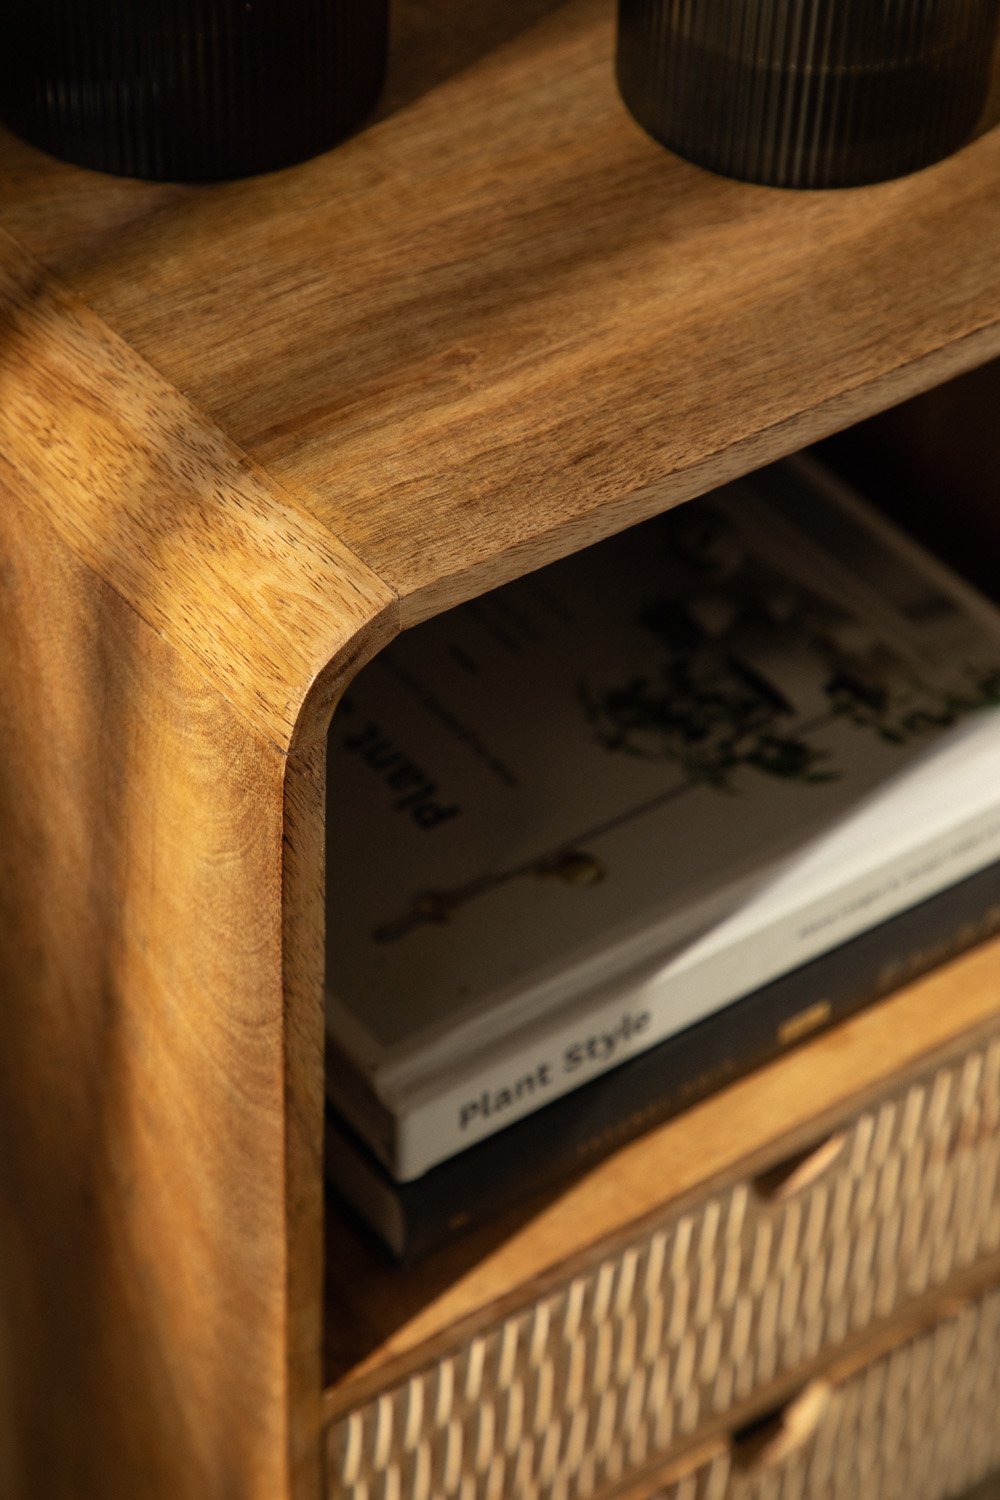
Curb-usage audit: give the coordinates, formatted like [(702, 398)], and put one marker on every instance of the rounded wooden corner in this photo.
[(360, 647)]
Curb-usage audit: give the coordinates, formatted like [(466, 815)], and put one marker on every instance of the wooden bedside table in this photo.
[(249, 433)]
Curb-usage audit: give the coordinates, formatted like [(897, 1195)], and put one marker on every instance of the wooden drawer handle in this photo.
[(801, 1170), (772, 1439)]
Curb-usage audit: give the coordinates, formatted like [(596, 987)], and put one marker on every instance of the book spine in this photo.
[(640, 1010), (558, 1142)]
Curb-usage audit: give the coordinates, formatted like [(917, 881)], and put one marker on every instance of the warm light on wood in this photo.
[(247, 433)]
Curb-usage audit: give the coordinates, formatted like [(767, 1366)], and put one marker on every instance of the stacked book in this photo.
[(617, 832)]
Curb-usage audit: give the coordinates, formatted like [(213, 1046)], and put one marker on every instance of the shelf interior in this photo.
[(930, 463)]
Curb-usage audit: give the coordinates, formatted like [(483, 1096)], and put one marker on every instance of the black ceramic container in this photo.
[(190, 89), (807, 93)]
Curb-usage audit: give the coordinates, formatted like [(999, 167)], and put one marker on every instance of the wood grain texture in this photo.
[(175, 626), (401, 1320), (160, 1058), (245, 433), (157, 502), (502, 322)]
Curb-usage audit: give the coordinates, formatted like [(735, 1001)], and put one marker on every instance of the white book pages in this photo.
[(618, 794)]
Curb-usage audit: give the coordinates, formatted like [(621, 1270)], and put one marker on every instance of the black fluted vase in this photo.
[(807, 93), (190, 90)]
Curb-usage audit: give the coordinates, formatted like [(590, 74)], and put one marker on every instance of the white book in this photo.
[(577, 815)]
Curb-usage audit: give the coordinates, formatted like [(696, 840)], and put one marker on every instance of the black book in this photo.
[(550, 1147)]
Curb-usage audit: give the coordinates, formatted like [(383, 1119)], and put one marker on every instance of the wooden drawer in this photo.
[(702, 1313), (920, 1422)]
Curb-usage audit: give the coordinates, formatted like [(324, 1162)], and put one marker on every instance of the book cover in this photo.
[(575, 816), (557, 1143)]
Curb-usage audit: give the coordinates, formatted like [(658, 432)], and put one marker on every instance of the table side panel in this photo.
[(160, 1125)]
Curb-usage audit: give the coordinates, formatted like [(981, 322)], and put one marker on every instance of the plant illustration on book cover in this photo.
[(575, 816), (710, 709), (717, 703)]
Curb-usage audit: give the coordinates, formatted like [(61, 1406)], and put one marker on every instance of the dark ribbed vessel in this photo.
[(807, 93), (189, 89)]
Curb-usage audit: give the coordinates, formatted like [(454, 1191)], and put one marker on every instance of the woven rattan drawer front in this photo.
[(635, 1352), (920, 1423)]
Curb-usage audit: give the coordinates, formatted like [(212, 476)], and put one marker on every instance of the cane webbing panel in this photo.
[(608, 1371), (922, 1423)]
